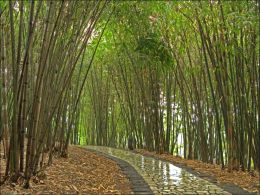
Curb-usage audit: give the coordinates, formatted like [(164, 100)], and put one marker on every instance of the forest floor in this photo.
[(249, 181), (83, 172)]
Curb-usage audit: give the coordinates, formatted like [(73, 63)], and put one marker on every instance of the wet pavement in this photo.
[(163, 177)]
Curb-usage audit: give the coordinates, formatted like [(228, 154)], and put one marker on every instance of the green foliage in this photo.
[(194, 54), (154, 48), (3, 5)]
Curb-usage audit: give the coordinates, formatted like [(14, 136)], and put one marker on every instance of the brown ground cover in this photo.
[(249, 181), (81, 173)]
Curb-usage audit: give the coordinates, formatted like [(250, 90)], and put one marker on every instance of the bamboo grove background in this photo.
[(99, 72), (166, 69)]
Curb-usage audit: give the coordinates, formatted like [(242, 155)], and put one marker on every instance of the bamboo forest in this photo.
[(129, 97)]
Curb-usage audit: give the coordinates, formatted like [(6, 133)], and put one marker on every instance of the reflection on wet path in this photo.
[(163, 177)]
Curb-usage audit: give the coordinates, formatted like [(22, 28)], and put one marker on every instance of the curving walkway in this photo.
[(162, 177)]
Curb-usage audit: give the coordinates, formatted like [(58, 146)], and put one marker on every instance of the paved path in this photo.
[(162, 177), (139, 185)]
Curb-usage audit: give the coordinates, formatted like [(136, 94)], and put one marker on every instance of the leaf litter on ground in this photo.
[(83, 172)]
